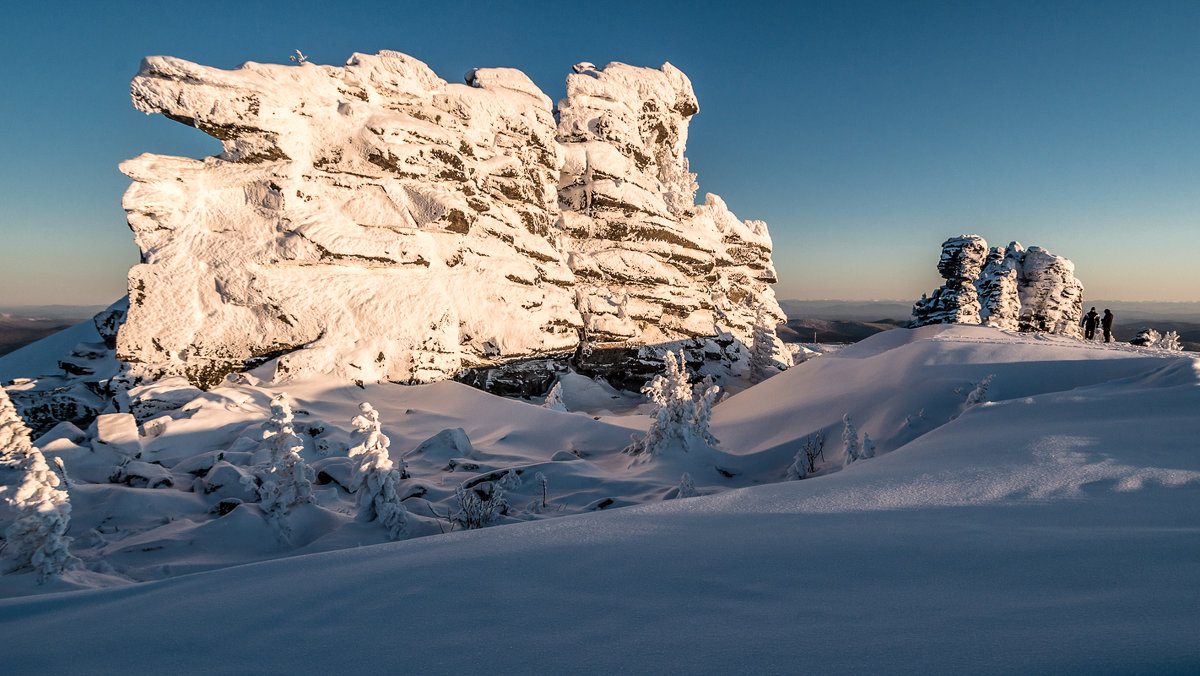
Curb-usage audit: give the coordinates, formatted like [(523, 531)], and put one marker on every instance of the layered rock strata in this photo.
[(1030, 290), (374, 222), (956, 301), (371, 222), (653, 269)]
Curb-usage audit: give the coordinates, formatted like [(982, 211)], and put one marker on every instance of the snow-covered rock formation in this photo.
[(956, 301), (1030, 290), (653, 268), (1051, 296), (374, 222)]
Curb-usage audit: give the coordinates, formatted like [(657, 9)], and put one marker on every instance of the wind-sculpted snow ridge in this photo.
[(1031, 290), (373, 222)]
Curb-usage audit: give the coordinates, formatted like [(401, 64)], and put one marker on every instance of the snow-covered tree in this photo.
[(868, 448), (287, 481), (298, 58), (799, 467), (979, 394), (376, 481), (37, 539), (543, 485), (554, 400), (1147, 338), (679, 419), (762, 352), (850, 441), (479, 505), (1170, 341), (705, 394), (687, 487)]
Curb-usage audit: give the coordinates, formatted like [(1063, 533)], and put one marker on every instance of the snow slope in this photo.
[(41, 357), (1053, 528)]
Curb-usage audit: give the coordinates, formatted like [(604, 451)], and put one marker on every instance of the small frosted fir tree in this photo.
[(762, 352), (687, 487), (376, 481), (705, 394), (1170, 341), (37, 539), (805, 462), (868, 448), (979, 394), (850, 441), (1147, 338), (288, 479), (679, 419), (799, 468), (543, 484), (554, 400)]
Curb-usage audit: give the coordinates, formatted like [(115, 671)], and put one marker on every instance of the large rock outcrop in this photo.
[(370, 222), (374, 222), (652, 268), (1030, 290)]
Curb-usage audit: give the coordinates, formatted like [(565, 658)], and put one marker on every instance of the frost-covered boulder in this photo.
[(653, 268), (118, 432), (140, 474), (370, 221), (1031, 290)]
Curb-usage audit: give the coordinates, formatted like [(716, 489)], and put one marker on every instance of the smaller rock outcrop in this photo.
[(1030, 290), (956, 301)]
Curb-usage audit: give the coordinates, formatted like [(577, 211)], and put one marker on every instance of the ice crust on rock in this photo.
[(374, 222), (1030, 290)]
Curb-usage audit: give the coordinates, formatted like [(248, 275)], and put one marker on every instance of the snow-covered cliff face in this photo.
[(374, 222), (1011, 287), (653, 268), (371, 222)]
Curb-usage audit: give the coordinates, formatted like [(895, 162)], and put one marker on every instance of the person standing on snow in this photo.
[(1106, 324), (1089, 324)]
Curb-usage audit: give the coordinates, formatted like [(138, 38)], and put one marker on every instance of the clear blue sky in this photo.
[(864, 133)]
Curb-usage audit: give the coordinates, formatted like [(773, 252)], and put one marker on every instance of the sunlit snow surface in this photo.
[(1055, 528)]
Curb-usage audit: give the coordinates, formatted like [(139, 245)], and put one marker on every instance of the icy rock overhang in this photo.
[(1030, 290), (374, 222)]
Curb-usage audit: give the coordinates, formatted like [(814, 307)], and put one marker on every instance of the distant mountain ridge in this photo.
[(870, 310)]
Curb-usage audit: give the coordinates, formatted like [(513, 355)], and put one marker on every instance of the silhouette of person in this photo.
[(1106, 324), (1089, 324)]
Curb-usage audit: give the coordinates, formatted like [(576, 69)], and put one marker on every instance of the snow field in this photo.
[(1050, 527)]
